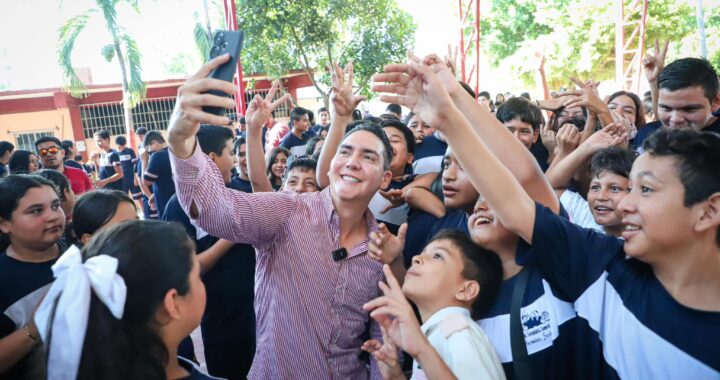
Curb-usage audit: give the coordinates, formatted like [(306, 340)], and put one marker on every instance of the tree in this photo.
[(122, 47), (306, 34), (578, 36)]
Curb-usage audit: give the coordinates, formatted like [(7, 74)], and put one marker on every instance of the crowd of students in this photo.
[(568, 237)]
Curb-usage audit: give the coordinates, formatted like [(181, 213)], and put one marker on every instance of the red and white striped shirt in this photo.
[(310, 321)]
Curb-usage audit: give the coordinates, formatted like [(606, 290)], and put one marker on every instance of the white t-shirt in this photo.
[(579, 211), (462, 344)]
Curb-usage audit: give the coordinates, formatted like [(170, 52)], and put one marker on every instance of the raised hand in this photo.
[(260, 109), (394, 313), (612, 135), (386, 355), (568, 138), (417, 87), (451, 59), (444, 71), (343, 99), (655, 62), (386, 247), (188, 113), (587, 96), (627, 126), (396, 197), (549, 138)]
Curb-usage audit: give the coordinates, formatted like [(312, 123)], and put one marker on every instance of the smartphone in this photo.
[(225, 42)]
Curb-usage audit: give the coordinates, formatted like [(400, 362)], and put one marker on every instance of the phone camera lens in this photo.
[(219, 38), (224, 45), (215, 51)]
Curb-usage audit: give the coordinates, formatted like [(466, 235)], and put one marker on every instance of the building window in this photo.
[(26, 141), (153, 114)]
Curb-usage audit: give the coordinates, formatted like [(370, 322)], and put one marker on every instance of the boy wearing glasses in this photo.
[(52, 156)]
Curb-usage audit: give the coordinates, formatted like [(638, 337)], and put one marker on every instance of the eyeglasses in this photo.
[(51, 150)]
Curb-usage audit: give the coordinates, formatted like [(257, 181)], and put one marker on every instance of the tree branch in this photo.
[(305, 62)]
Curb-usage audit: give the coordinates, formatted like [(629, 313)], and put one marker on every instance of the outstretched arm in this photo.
[(416, 86), (344, 103), (502, 144)]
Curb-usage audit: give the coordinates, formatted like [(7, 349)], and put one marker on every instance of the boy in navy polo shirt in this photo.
[(109, 169), (297, 138), (688, 93), (654, 315), (228, 271), (158, 173), (128, 160)]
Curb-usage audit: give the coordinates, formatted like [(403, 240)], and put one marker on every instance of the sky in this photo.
[(28, 50)]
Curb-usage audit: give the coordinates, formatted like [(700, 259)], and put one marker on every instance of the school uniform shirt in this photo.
[(453, 220), (240, 184), (79, 181), (419, 224), (128, 159), (22, 286), (108, 162), (429, 155), (394, 217), (462, 345), (194, 371), (541, 154), (309, 316), (160, 174), (228, 324), (148, 213), (578, 210), (650, 128), (641, 332), (296, 145), (549, 325)]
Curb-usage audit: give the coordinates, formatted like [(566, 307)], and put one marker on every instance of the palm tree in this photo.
[(122, 46)]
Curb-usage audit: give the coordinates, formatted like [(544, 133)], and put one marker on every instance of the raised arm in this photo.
[(417, 87), (507, 149), (562, 173), (222, 212), (344, 102), (255, 156), (653, 65)]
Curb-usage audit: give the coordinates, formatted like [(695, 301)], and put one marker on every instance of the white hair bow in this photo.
[(71, 293)]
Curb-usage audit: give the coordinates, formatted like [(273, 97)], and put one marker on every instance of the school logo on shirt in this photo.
[(125, 157), (104, 161), (537, 327)]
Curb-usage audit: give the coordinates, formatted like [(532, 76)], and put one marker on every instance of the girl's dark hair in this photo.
[(480, 265), (12, 189), (20, 161), (153, 258), (61, 182), (273, 155), (94, 208), (639, 111), (310, 147)]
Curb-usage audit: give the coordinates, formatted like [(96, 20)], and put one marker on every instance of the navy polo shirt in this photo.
[(651, 128), (128, 159), (108, 162), (159, 173), (74, 164), (290, 141)]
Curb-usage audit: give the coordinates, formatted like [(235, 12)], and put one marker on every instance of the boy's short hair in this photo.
[(6, 146), (153, 136), (120, 140), (696, 155), (297, 113), (322, 109), (236, 145), (103, 133), (690, 72), (394, 108), (479, 264), (613, 159), (375, 129), (51, 139), (141, 131), (521, 109), (66, 145), (407, 132), (301, 163), (213, 139), (484, 94)]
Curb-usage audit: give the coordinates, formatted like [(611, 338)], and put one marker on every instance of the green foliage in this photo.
[(305, 34), (576, 36), (120, 43)]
